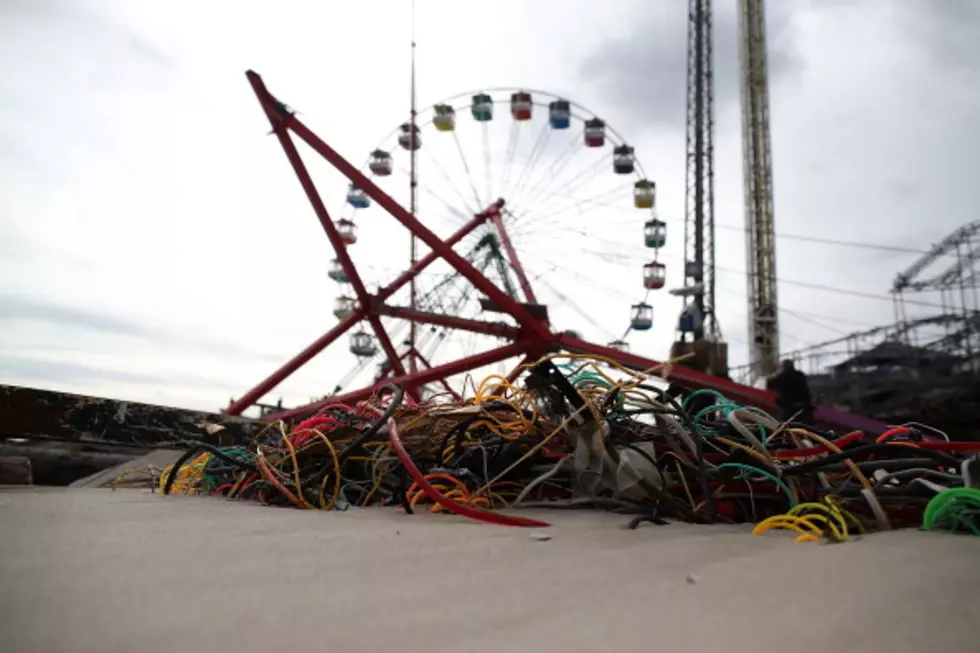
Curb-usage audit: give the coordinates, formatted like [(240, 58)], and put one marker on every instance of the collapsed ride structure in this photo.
[(530, 337)]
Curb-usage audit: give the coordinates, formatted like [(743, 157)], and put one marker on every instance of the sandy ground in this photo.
[(94, 570)]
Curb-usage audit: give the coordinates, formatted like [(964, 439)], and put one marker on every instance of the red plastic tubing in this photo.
[(447, 503)]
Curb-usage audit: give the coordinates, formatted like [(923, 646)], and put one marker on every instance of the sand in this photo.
[(90, 570)]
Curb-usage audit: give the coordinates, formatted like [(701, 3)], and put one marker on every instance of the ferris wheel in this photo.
[(577, 210)]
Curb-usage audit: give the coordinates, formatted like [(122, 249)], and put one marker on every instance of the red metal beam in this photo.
[(515, 261), (740, 393), (277, 118), (445, 384), (424, 376), (299, 360), (449, 321), (429, 258), (464, 267), (284, 372)]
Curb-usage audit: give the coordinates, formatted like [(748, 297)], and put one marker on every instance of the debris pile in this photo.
[(589, 433)]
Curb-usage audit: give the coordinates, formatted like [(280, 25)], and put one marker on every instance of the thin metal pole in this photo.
[(413, 204)]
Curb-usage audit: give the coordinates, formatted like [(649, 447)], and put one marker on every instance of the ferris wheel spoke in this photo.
[(487, 161), (558, 182), (579, 179), (523, 186), (509, 156), (603, 291), (532, 160), (471, 210), (572, 203), (566, 300), (461, 215), (558, 166), (556, 213), (592, 239), (604, 204), (469, 175), (590, 281)]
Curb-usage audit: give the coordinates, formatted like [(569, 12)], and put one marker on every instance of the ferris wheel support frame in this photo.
[(531, 339), (515, 261)]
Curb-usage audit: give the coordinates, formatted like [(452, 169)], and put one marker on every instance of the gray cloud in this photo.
[(20, 308), (645, 71), (949, 32), (30, 369)]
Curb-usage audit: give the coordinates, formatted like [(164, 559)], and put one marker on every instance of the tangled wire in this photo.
[(590, 433)]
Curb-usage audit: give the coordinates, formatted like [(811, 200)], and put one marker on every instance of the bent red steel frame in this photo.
[(531, 338)]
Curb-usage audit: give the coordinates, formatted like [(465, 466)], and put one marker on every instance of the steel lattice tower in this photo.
[(760, 240), (699, 222)]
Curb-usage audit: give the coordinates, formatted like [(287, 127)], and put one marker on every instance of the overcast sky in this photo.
[(155, 245)]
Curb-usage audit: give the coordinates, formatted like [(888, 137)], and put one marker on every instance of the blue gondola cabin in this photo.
[(343, 306), (357, 198), (641, 317), (560, 114), (347, 231), (482, 107), (336, 272), (409, 137), (380, 163), (655, 233), (521, 105), (654, 275), (623, 160), (444, 118), (362, 345), (619, 345), (595, 133), (644, 194)]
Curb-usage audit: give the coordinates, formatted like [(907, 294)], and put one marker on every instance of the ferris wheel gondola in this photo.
[(547, 191), (347, 231), (380, 163), (357, 198), (641, 317), (343, 306)]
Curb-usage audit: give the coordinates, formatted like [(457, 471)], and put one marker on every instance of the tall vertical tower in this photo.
[(760, 240), (699, 206), (413, 208)]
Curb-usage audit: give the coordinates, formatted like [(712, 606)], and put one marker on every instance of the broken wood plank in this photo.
[(47, 415)]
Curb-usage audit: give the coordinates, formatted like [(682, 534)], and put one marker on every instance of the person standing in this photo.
[(792, 393)]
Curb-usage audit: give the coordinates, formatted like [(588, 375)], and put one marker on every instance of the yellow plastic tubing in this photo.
[(834, 518)]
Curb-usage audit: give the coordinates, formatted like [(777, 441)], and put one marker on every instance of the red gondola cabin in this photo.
[(347, 231), (595, 133), (521, 105), (654, 275)]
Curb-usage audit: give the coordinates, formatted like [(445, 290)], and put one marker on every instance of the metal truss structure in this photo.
[(699, 201), (760, 234), (957, 287), (531, 338), (926, 365)]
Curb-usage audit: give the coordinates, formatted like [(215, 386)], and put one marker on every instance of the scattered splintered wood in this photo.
[(59, 416)]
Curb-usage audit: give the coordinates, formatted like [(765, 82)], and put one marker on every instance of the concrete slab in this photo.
[(95, 570)]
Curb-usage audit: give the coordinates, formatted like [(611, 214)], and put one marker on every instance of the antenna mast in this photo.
[(413, 204)]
